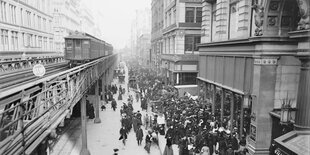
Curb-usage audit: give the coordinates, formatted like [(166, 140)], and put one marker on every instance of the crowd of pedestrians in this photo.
[(191, 125)]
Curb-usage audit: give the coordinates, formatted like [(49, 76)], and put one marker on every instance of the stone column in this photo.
[(84, 150), (302, 120), (264, 81), (97, 105)]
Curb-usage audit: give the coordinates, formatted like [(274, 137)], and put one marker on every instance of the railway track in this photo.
[(17, 78)]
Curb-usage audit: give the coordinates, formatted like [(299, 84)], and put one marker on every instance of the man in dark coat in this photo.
[(123, 134), (139, 135), (113, 104)]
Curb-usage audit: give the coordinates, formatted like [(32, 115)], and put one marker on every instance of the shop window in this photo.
[(187, 78)]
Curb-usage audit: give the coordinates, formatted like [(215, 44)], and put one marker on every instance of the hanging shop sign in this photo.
[(253, 132), (279, 151)]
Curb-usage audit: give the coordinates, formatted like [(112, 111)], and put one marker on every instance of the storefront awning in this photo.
[(296, 141), (222, 86)]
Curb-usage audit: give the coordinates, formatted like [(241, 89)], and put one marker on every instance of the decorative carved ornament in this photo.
[(265, 61), (259, 18), (274, 5), (304, 11), (272, 20)]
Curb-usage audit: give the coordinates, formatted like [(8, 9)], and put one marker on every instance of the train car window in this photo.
[(77, 43), (69, 44)]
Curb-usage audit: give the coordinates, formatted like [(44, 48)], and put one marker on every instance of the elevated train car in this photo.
[(82, 47)]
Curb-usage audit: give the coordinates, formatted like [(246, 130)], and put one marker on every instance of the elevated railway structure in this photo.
[(15, 60), (30, 112)]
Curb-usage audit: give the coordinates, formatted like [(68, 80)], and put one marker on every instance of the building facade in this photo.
[(144, 50), (156, 33), (254, 67), (25, 28), (66, 16), (140, 31), (181, 34)]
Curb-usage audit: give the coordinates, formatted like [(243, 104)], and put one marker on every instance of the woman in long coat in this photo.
[(168, 148)]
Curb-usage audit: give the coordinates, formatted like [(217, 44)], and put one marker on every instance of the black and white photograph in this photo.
[(154, 77)]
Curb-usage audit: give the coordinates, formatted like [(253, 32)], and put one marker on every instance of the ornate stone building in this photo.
[(25, 29), (254, 66), (181, 34)]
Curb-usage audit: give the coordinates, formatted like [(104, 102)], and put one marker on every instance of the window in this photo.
[(77, 44), (233, 28), (187, 78), (35, 41), (34, 21), (12, 13), (191, 43), (45, 43), (21, 17), (193, 15), (44, 24), (213, 21), (51, 44), (40, 42), (174, 16), (4, 39), (39, 22), (3, 11), (196, 42), (28, 18), (198, 15), (189, 15), (14, 40)]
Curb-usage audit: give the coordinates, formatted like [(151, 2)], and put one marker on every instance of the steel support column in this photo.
[(222, 105), (103, 87), (97, 96), (213, 98), (232, 112), (84, 150)]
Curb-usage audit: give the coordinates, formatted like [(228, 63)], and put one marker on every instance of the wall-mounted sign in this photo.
[(38, 70)]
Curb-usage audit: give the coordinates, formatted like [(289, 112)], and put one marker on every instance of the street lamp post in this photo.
[(286, 111)]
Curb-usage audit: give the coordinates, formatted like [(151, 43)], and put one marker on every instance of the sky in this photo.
[(116, 19)]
